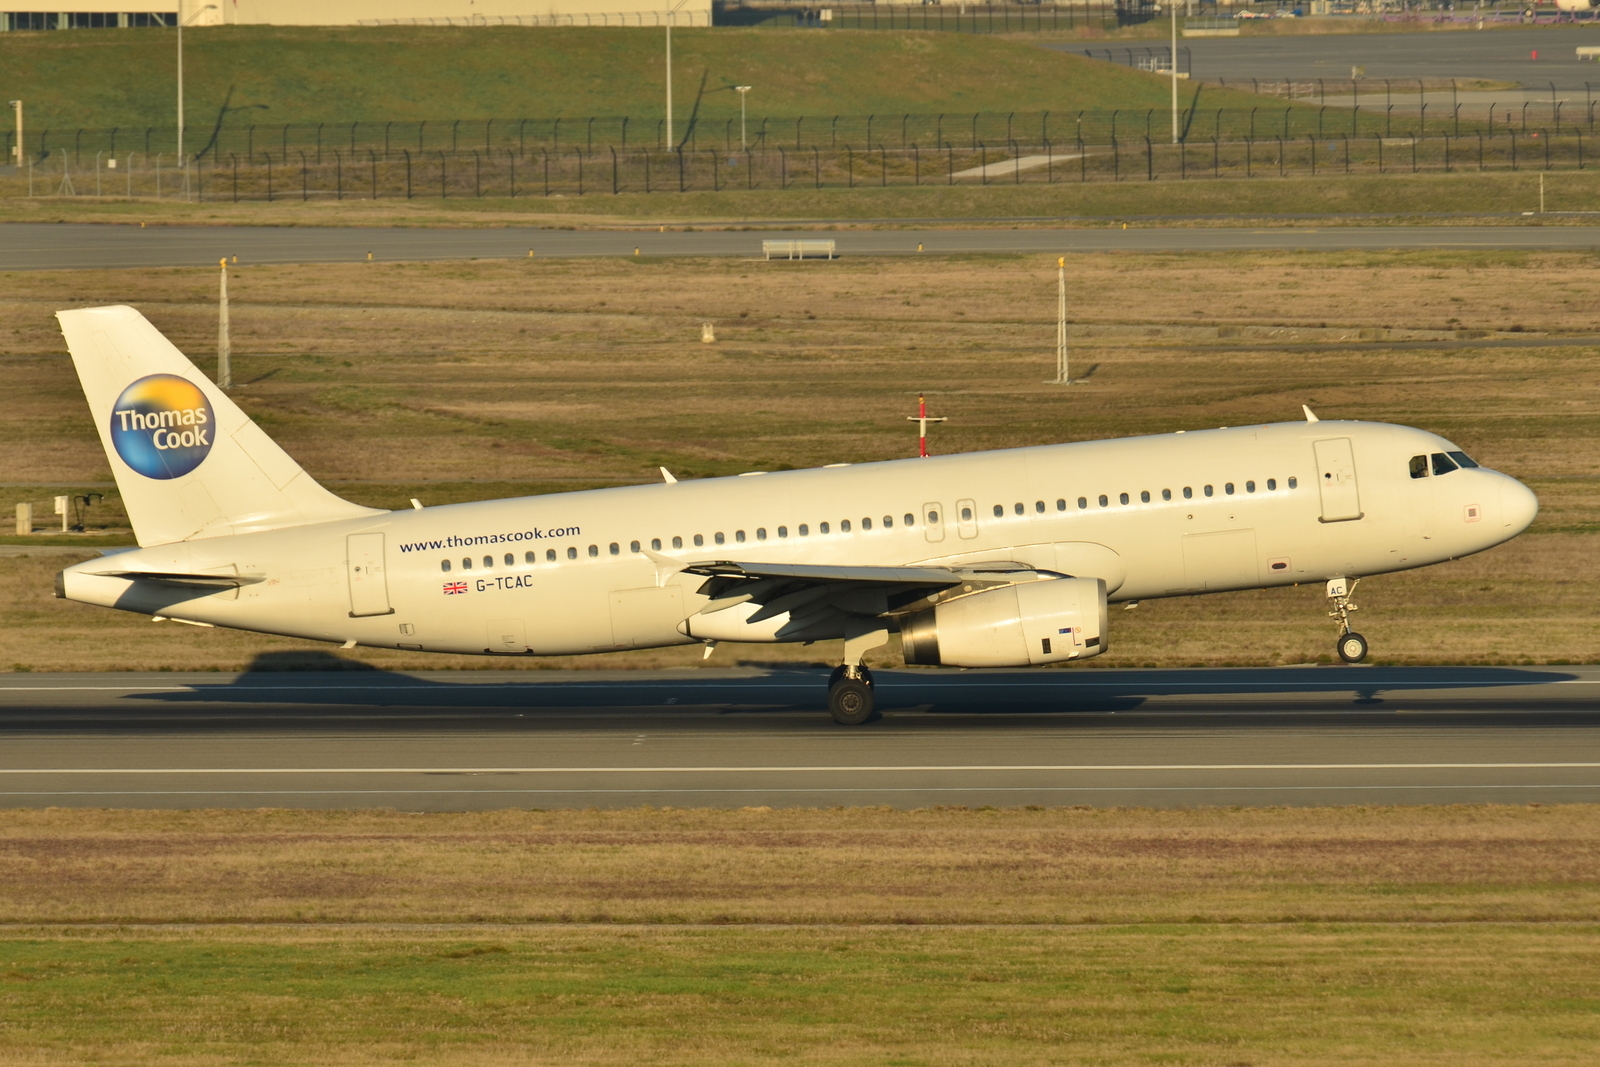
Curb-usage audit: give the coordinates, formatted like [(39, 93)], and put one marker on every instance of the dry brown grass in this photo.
[(855, 866), (460, 381)]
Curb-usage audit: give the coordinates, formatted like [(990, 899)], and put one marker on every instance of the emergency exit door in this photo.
[(369, 587), (1336, 478)]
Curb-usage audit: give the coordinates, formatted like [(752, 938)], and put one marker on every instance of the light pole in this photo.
[(1174, 5), (181, 20), (672, 15), (741, 90), (16, 105)]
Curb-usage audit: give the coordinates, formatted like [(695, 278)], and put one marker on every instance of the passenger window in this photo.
[(783, 531), (718, 538), (822, 527), (738, 535), (633, 546), (999, 510), (1017, 507), (1166, 494), (488, 562), (1249, 487), (844, 526), (572, 553), (911, 520), (966, 514), (1228, 488), (933, 518), (1188, 493), (444, 565), (866, 524), (1462, 459), (1083, 502), (466, 564), (1061, 505), (530, 557), (761, 533), (805, 531), (1208, 490), (677, 542), (1122, 498), (510, 559), (655, 544), (1144, 496), (614, 549), (699, 540), (550, 555), (1294, 482), (1038, 506), (594, 550), (1104, 500), (1419, 466), (1272, 484), (1442, 464), (888, 522)]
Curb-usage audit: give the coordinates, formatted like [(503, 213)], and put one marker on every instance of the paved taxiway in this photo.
[(41, 246), (749, 736)]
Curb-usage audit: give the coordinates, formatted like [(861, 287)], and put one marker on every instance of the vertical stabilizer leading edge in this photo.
[(189, 463)]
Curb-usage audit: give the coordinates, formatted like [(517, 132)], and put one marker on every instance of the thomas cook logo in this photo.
[(162, 426)]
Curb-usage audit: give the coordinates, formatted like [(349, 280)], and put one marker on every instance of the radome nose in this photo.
[(1517, 504)]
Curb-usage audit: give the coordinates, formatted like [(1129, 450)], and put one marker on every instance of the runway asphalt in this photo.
[(45, 246), (1494, 55), (752, 736)]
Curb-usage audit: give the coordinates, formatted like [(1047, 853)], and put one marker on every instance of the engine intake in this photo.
[(1022, 625)]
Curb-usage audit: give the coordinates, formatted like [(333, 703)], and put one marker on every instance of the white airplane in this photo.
[(990, 559)]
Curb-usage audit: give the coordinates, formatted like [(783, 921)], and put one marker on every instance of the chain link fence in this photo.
[(577, 171)]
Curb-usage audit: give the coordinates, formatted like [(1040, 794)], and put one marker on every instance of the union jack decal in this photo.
[(454, 587)]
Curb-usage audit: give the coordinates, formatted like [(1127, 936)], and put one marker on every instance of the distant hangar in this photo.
[(91, 14)]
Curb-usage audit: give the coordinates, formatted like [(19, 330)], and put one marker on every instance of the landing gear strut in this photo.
[(850, 694), (1351, 646)]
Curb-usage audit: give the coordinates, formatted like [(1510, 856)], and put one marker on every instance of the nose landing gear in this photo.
[(1351, 646)]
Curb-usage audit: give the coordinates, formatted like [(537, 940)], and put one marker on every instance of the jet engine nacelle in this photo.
[(1021, 625)]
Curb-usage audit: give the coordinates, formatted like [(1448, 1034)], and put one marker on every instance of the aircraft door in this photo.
[(369, 587), (966, 519), (1336, 478), (933, 522)]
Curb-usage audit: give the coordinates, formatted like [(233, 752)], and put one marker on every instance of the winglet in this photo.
[(1310, 415), (666, 566), (668, 476)]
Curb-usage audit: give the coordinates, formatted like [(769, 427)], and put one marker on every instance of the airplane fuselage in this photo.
[(1157, 516)]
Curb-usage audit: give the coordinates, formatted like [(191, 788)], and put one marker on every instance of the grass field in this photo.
[(462, 381), (1407, 197), (105, 78), (1411, 936)]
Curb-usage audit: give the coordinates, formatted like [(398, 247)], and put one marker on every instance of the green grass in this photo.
[(1174, 995), (93, 78)]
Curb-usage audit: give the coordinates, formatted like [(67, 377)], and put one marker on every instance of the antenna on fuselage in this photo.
[(1310, 415), (667, 477)]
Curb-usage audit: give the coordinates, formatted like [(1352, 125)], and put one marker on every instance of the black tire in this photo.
[(850, 702), (1352, 648)]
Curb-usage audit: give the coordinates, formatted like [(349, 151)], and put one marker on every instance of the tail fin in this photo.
[(189, 463)]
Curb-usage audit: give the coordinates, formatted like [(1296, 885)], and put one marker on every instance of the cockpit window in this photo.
[(1462, 459), (1419, 466), (1443, 464)]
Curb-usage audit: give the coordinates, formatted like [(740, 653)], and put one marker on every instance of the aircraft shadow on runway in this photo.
[(345, 692)]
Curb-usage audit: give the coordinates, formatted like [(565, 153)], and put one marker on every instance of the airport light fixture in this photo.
[(181, 22), (1173, 4), (16, 106), (741, 90)]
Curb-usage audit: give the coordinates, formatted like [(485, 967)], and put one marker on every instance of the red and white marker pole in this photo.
[(921, 419)]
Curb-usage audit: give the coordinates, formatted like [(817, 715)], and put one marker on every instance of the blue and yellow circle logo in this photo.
[(162, 426)]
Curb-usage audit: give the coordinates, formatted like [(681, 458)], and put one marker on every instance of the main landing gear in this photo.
[(850, 694), (1351, 646)]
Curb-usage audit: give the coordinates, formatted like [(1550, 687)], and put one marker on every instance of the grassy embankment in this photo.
[(1418, 935), (470, 380)]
